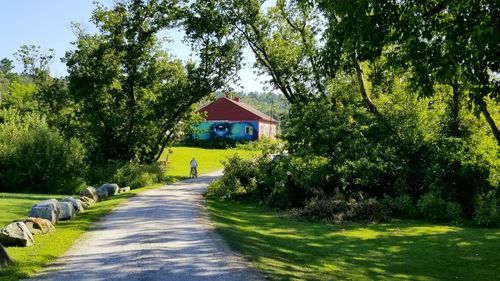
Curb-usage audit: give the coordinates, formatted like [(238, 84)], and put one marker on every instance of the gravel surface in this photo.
[(161, 234)]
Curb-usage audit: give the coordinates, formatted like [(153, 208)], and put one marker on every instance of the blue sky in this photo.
[(47, 23)]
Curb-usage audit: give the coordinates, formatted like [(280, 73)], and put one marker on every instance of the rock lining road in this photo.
[(160, 234)]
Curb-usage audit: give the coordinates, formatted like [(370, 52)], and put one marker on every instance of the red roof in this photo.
[(232, 110)]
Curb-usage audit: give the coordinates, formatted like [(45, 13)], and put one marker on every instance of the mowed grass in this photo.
[(209, 160), (286, 249), (48, 247)]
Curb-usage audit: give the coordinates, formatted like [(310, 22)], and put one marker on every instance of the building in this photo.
[(233, 119)]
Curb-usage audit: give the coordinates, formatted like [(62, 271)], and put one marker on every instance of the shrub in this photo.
[(130, 174), (436, 209), (138, 175), (401, 206), (237, 182), (35, 158), (487, 210)]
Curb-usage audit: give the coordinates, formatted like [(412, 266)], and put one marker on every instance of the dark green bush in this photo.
[(487, 210), (401, 206), (35, 158), (436, 209)]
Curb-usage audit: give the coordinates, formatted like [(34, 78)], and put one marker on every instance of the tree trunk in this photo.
[(370, 106), (490, 121), (4, 257), (455, 110)]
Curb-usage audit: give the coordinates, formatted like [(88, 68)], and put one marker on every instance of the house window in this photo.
[(249, 130)]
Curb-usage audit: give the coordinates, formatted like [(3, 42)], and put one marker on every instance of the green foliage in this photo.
[(437, 209), (35, 158), (131, 98), (238, 181), (138, 175), (487, 211), (401, 206), (134, 175)]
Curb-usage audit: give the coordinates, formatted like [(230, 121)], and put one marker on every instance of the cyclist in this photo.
[(194, 168)]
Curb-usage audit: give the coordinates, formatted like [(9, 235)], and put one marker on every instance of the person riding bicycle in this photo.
[(194, 168)]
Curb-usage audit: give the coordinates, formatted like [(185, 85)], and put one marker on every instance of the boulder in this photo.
[(77, 204), (67, 211), (48, 209), (107, 189), (90, 192), (124, 189), (39, 225), (16, 234), (86, 202)]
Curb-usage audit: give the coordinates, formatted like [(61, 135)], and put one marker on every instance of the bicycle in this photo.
[(193, 173)]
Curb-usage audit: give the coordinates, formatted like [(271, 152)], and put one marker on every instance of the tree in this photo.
[(133, 100), (33, 59), (439, 42), (283, 42), (6, 66)]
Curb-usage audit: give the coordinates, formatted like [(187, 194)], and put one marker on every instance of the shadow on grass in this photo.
[(297, 250)]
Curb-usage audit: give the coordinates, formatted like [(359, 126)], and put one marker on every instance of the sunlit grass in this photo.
[(285, 249), (50, 246), (209, 160)]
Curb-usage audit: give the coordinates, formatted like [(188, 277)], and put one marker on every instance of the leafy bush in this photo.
[(138, 175), (35, 158), (401, 206), (436, 209), (237, 182), (130, 174), (487, 210)]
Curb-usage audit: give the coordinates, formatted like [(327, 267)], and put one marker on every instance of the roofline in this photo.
[(270, 120)]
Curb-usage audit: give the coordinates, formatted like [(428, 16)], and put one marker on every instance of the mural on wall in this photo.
[(227, 129)]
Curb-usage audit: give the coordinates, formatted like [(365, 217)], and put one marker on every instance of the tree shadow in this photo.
[(400, 250)]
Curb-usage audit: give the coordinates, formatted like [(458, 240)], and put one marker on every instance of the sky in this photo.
[(47, 23)]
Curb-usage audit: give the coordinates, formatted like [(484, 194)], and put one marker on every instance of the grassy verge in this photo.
[(48, 247), (285, 249)]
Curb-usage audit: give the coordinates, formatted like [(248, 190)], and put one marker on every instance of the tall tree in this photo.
[(33, 59), (283, 41), (133, 99), (437, 42)]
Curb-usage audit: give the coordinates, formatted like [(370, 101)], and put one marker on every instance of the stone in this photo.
[(48, 209), (86, 202), (67, 211), (107, 189), (39, 225), (85, 205), (77, 204), (16, 234), (124, 189), (90, 192)]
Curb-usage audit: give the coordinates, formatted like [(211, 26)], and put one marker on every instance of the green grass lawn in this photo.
[(286, 249), (209, 160), (48, 247)]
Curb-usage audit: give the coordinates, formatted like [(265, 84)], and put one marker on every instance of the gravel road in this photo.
[(161, 234)]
